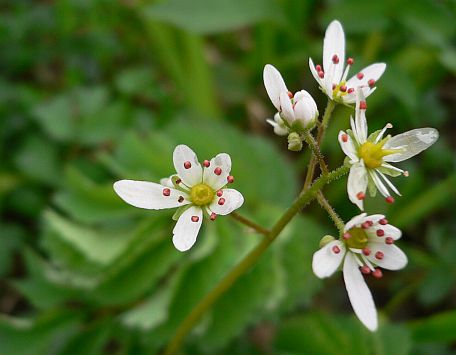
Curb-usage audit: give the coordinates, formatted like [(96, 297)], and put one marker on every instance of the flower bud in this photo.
[(294, 142), (326, 240), (305, 111), (279, 125)]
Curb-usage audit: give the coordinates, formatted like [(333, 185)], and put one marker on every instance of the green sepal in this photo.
[(371, 186), (389, 171)]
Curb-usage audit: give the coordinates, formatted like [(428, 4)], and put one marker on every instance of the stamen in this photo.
[(382, 132), (335, 59), (380, 232), (346, 236), (344, 138), (366, 251), (377, 273), (343, 88), (371, 83), (389, 199), (365, 225), (166, 192), (336, 249), (187, 165), (178, 181), (360, 195), (389, 240), (290, 94), (362, 105), (221, 201), (350, 90), (217, 171), (365, 270), (213, 216), (379, 255), (360, 76), (383, 221), (219, 193), (350, 61), (406, 173), (206, 163), (180, 199), (321, 74), (230, 179), (318, 68), (334, 86), (195, 218)]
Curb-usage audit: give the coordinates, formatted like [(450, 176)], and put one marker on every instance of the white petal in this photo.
[(286, 108), (355, 221), (360, 118), (314, 72), (393, 257), (348, 147), (233, 200), (222, 161), (167, 181), (357, 182), (378, 183), (334, 44), (274, 84), (148, 195), (389, 183), (411, 143), (186, 230), (325, 262), (280, 131), (392, 231), (359, 294), (351, 98), (194, 174), (373, 71)]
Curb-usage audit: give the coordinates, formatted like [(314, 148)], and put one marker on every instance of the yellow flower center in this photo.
[(337, 89), (201, 194), (358, 238), (373, 153)]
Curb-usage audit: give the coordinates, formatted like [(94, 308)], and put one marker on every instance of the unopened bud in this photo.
[(326, 240), (294, 142)]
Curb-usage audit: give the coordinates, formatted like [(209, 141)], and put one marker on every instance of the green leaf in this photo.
[(436, 328)]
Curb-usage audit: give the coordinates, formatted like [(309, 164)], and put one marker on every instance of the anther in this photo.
[(360, 195), (380, 232), (379, 255), (350, 61), (389, 199), (221, 201), (365, 270), (321, 74), (389, 240), (335, 59), (187, 165), (360, 76), (377, 273), (344, 138), (166, 192), (346, 236), (318, 67), (230, 179), (362, 105), (405, 173), (371, 83), (206, 163), (180, 199), (334, 86), (219, 193), (350, 90), (290, 94), (336, 249), (213, 216), (383, 221), (370, 223), (195, 218), (217, 171), (366, 251), (343, 88), (365, 225), (178, 181)]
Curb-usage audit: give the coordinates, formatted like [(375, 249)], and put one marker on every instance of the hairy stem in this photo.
[(320, 134), (306, 195), (250, 223), (338, 222), (314, 146)]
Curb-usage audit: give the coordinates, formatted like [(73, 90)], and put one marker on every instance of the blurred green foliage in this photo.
[(95, 91)]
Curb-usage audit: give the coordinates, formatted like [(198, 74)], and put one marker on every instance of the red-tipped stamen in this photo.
[(178, 181), (371, 83), (370, 223), (187, 165), (360, 76), (350, 90), (344, 137), (405, 173), (336, 249), (365, 270), (318, 67), (346, 236), (365, 225), (230, 179), (321, 74), (360, 195), (389, 199), (366, 251), (389, 240), (213, 216), (362, 105), (206, 163), (180, 199), (166, 192), (343, 88), (335, 59), (219, 193), (221, 201), (195, 218), (383, 221), (217, 171), (334, 86), (379, 255), (350, 61), (290, 94), (380, 232), (377, 274)]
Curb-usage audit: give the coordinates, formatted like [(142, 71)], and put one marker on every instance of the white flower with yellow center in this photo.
[(366, 246), (332, 76), (297, 112), (370, 157), (195, 189)]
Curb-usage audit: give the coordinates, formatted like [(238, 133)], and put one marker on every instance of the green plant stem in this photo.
[(320, 134), (244, 265), (316, 151), (338, 222), (249, 223)]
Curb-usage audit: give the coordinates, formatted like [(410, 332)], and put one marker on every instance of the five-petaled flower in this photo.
[(369, 157), (195, 189), (332, 77), (366, 245), (297, 112)]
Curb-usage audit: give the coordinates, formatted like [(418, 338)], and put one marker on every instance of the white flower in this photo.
[(332, 77), (279, 125), (194, 189), (367, 243), (370, 157), (298, 112)]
